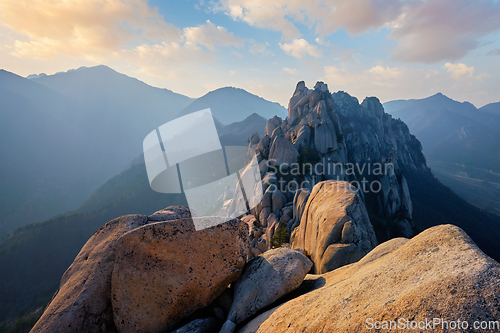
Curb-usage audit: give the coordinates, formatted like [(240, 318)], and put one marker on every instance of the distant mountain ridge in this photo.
[(62, 237), (493, 108), (68, 133), (452, 131), (231, 105), (79, 128)]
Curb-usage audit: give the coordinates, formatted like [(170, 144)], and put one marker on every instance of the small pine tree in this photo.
[(280, 236)]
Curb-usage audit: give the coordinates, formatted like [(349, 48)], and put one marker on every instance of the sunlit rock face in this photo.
[(440, 273), (331, 136)]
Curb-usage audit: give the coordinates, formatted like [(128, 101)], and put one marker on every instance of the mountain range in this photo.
[(461, 144), (493, 108), (452, 131), (229, 105), (33, 257), (67, 133)]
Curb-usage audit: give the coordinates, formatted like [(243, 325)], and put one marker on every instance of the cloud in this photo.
[(82, 28), (172, 52), (259, 48), (444, 30), (264, 14), (175, 60), (358, 16), (327, 16), (321, 42), (211, 36), (426, 31), (378, 75), (339, 77), (385, 76), (300, 48), (291, 71), (459, 70), (100, 30), (386, 72), (237, 54)]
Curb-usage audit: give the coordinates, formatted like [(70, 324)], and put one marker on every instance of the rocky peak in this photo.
[(334, 137), (272, 124), (320, 86), (373, 107)]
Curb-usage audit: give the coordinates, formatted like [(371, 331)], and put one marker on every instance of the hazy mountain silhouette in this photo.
[(451, 131), (63, 135), (231, 105), (461, 144), (493, 108), (28, 278)]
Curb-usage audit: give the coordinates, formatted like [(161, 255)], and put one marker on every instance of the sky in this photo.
[(391, 49)]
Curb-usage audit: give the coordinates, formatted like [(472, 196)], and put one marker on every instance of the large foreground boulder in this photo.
[(264, 280), (83, 302), (439, 274), (334, 229), (165, 271)]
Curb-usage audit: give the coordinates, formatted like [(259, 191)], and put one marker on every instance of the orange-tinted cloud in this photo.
[(82, 28)]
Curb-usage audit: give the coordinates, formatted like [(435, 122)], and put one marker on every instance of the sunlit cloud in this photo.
[(300, 48), (260, 48), (211, 36), (314, 40), (82, 28), (102, 30), (291, 71), (265, 14), (425, 31), (459, 70)]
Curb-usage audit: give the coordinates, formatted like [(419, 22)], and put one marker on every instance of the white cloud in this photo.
[(300, 48), (459, 70), (237, 54), (264, 14), (338, 77), (321, 42), (462, 71), (386, 72), (259, 48), (291, 71), (211, 36)]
